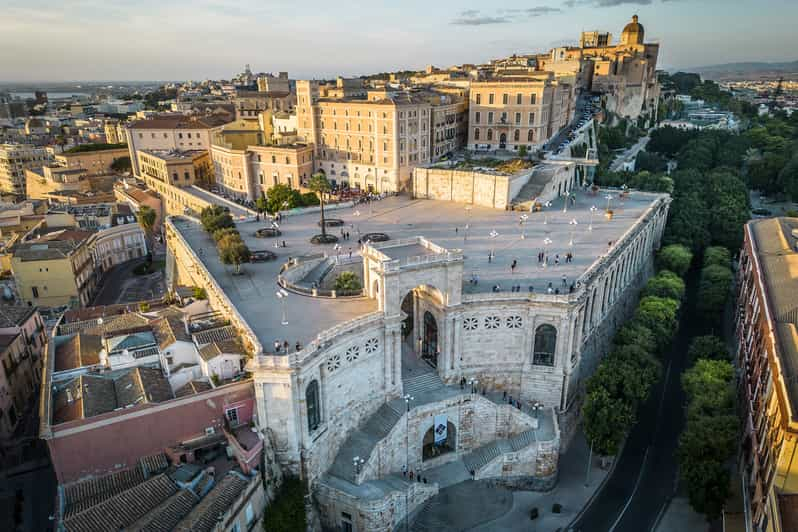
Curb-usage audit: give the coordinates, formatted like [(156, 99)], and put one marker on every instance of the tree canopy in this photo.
[(675, 258)]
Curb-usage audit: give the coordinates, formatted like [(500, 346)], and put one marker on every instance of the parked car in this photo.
[(261, 255)]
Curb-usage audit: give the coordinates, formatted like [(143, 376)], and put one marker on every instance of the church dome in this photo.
[(633, 32)]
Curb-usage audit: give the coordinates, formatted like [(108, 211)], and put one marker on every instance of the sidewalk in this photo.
[(679, 517), (503, 509)]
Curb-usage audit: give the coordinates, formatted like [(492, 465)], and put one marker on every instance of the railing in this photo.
[(296, 359)]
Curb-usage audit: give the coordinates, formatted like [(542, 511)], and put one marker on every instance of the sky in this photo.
[(58, 40)]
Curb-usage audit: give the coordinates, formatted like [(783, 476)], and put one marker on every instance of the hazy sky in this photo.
[(196, 39)]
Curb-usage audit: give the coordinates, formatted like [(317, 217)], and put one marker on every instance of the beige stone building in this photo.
[(14, 160), (115, 132), (94, 162), (170, 132), (505, 114), (373, 143), (178, 168)]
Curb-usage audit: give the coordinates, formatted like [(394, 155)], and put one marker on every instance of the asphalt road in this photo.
[(121, 285), (646, 474)]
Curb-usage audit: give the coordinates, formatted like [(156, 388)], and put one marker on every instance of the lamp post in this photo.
[(536, 408), (593, 210), (522, 221), (493, 235), (468, 222), (608, 197), (357, 215), (407, 398), (572, 223), (546, 242), (357, 465), (282, 295), (546, 214)]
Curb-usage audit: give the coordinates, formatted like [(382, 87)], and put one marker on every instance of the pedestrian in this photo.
[(456, 229), (350, 253), (510, 399), (564, 280), (298, 346), (425, 480), (277, 346), (404, 470), (513, 265), (557, 260), (504, 395), (490, 257), (283, 243), (411, 474), (473, 474), (285, 345)]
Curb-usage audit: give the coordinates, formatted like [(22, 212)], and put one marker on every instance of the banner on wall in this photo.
[(440, 429)]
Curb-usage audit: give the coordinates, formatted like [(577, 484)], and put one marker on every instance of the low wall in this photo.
[(486, 189)]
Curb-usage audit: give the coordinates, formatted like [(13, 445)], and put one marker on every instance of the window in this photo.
[(185, 176), (490, 98), (545, 345), (232, 415), (490, 117), (470, 324), (180, 135), (518, 98), (313, 406), (274, 159), (476, 117), (490, 134), (35, 291), (476, 133), (492, 322), (517, 118), (533, 98), (505, 99), (517, 135), (531, 118), (530, 136), (479, 98)]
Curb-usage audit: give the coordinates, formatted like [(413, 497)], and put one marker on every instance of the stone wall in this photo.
[(493, 190)]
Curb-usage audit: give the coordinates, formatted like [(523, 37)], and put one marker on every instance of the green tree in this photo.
[(727, 196), (320, 185), (287, 512), (347, 281), (637, 334), (675, 258), (713, 292), (688, 222), (215, 217), (650, 162), (707, 347), (282, 197), (665, 284), (146, 218), (121, 164), (717, 255), (659, 315), (232, 250), (606, 420)]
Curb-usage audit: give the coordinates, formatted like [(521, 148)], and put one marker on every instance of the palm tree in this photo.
[(146, 218), (320, 185)]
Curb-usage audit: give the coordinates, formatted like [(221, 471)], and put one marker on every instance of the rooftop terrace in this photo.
[(479, 232)]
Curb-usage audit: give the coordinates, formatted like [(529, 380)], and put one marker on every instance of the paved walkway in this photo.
[(629, 155), (680, 517), (502, 509)]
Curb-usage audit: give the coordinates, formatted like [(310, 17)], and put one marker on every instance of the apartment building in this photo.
[(767, 358), (373, 142), (115, 132), (56, 267), (178, 168), (14, 160), (170, 132), (248, 173), (506, 114), (22, 340), (96, 161)]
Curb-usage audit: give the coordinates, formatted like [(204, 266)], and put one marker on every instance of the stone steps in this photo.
[(524, 439), (479, 458), (423, 384), (317, 274)]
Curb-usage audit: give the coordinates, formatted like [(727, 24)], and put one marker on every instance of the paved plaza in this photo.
[(491, 240)]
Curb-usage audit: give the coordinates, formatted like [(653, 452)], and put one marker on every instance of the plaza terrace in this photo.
[(474, 232)]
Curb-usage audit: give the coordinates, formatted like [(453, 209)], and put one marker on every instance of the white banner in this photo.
[(440, 429)]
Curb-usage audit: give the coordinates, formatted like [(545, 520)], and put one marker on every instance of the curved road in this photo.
[(644, 479)]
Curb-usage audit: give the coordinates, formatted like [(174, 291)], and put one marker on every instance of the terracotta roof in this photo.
[(14, 316), (90, 394), (205, 516), (192, 387), (230, 346), (179, 122), (44, 250), (168, 330), (77, 351), (215, 335)]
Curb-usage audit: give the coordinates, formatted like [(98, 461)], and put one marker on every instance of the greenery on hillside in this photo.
[(95, 146)]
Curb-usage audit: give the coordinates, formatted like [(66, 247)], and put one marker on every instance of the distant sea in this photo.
[(54, 95)]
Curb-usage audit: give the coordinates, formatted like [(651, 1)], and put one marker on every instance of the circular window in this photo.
[(492, 322), (514, 322), (334, 362), (371, 345), (352, 353), (470, 324)]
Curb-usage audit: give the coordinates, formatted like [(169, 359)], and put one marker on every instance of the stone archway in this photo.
[(430, 449), (429, 340)]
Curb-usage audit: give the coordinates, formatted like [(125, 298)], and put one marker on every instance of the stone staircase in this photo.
[(315, 276), (362, 441), (531, 190), (423, 384)]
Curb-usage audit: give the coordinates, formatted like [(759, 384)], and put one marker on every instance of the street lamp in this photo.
[(357, 215), (572, 223), (593, 210), (522, 220), (357, 465), (493, 235), (546, 214), (608, 197), (468, 222), (282, 295), (546, 242)]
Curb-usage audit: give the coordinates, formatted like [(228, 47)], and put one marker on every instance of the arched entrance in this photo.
[(503, 141), (448, 444), (429, 343)]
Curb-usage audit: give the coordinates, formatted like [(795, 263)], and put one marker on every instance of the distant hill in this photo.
[(747, 70)]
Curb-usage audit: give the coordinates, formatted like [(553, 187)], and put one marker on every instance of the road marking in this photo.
[(634, 492)]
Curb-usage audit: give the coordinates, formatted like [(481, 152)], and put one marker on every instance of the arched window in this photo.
[(476, 133), (490, 134), (516, 135), (313, 406), (545, 344), (447, 441), (530, 136)]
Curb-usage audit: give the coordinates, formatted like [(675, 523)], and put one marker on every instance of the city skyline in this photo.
[(277, 37)]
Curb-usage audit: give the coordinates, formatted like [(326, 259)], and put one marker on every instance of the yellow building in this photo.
[(507, 113), (94, 162), (42, 183), (178, 168), (14, 160)]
